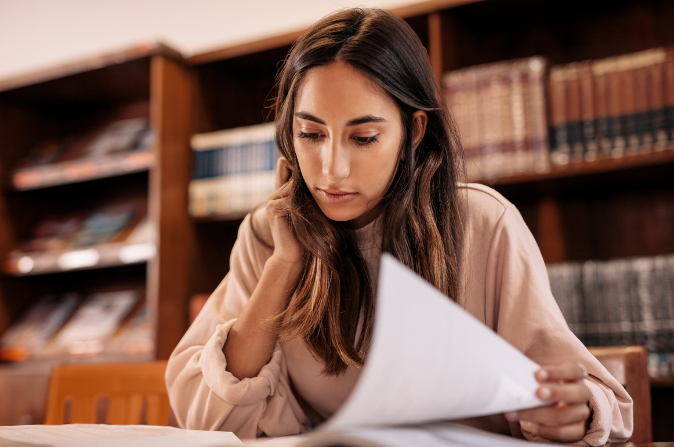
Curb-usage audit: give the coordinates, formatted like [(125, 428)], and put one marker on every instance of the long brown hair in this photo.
[(421, 212)]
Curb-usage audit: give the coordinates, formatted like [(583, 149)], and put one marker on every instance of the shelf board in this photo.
[(221, 217), (586, 168), (99, 256), (268, 43), (143, 49), (82, 170), (662, 382)]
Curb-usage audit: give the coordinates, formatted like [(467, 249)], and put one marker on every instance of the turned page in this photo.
[(431, 360)]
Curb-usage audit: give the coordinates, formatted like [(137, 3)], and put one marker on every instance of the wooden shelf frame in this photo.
[(58, 102)]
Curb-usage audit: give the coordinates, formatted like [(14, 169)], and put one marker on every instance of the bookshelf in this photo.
[(152, 82), (603, 209)]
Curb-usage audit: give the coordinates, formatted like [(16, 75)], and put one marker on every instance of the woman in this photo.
[(371, 163)]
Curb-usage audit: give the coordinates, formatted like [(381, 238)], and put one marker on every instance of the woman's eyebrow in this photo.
[(353, 122), (365, 119), (309, 117)]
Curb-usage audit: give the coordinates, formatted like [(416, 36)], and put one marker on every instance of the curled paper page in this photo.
[(431, 360)]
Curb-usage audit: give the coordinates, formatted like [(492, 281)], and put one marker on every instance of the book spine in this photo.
[(602, 128), (573, 114), (656, 99), (558, 116), (642, 115), (663, 320), (587, 110), (487, 147), (644, 274), (505, 152), (627, 101), (614, 103), (591, 293), (518, 118), (669, 93), (537, 116), (475, 169)]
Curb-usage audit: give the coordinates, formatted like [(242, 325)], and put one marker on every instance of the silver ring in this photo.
[(584, 373)]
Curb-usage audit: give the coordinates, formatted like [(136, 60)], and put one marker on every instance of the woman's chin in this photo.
[(338, 214)]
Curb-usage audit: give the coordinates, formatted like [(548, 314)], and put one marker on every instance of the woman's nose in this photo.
[(336, 162)]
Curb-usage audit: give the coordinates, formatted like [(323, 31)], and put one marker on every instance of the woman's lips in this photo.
[(337, 196)]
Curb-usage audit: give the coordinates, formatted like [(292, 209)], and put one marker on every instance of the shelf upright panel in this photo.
[(170, 115)]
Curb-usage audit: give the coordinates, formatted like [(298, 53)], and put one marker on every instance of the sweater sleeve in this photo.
[(525, 313), (203, 394)]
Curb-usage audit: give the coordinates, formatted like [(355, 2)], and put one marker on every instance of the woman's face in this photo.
[(347, 133)]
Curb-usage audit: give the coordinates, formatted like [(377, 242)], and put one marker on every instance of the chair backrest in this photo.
[(629, 365), (114, 393)]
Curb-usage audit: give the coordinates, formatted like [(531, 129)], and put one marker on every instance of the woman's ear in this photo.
[(419, 121)]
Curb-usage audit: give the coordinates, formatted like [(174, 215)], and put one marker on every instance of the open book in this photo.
[(429, 361)]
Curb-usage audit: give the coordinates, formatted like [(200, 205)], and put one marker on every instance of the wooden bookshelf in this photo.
[(149, 80), (607, 208)]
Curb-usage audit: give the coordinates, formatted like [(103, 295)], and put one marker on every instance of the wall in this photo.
[(37, 34)]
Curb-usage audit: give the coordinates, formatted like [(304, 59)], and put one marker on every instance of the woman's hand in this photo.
[(566, 420), (286, 247)]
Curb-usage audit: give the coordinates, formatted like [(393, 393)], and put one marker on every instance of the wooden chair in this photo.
[(629, 365), (116, 393)]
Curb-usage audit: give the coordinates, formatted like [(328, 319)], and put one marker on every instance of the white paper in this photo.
[(81, 435), (431, 360), (445, 434)]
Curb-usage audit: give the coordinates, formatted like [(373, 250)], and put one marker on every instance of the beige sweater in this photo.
[(505, 286)]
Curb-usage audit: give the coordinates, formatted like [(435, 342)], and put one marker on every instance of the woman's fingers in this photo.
[(561, 433), (553, 414), (573, 393), (283, 172), (570, 372)]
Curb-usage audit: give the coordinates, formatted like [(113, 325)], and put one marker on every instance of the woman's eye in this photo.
[(364, 141), (311, 136)]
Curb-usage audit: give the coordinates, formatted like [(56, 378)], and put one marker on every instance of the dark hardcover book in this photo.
[(643, 272), (642, 113), (587, 110), (669, 92), (628, 103), (576, 298), (656, 99), (573, 113), (559, 131), (614, 106), (602, 130), (591, 291)]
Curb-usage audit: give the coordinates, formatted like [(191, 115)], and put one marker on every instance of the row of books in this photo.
[(611, 107), (618, 302), (117, 147), (661, 365), (601, 108), (499, 109), (66, 325), (233, 170), (114, 234)]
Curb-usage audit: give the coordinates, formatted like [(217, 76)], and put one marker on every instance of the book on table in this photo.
[(430, 361)]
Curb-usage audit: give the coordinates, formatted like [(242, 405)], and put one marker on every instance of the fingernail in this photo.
[(512, 415), (543, 374), (545, 393), (526, 425)]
